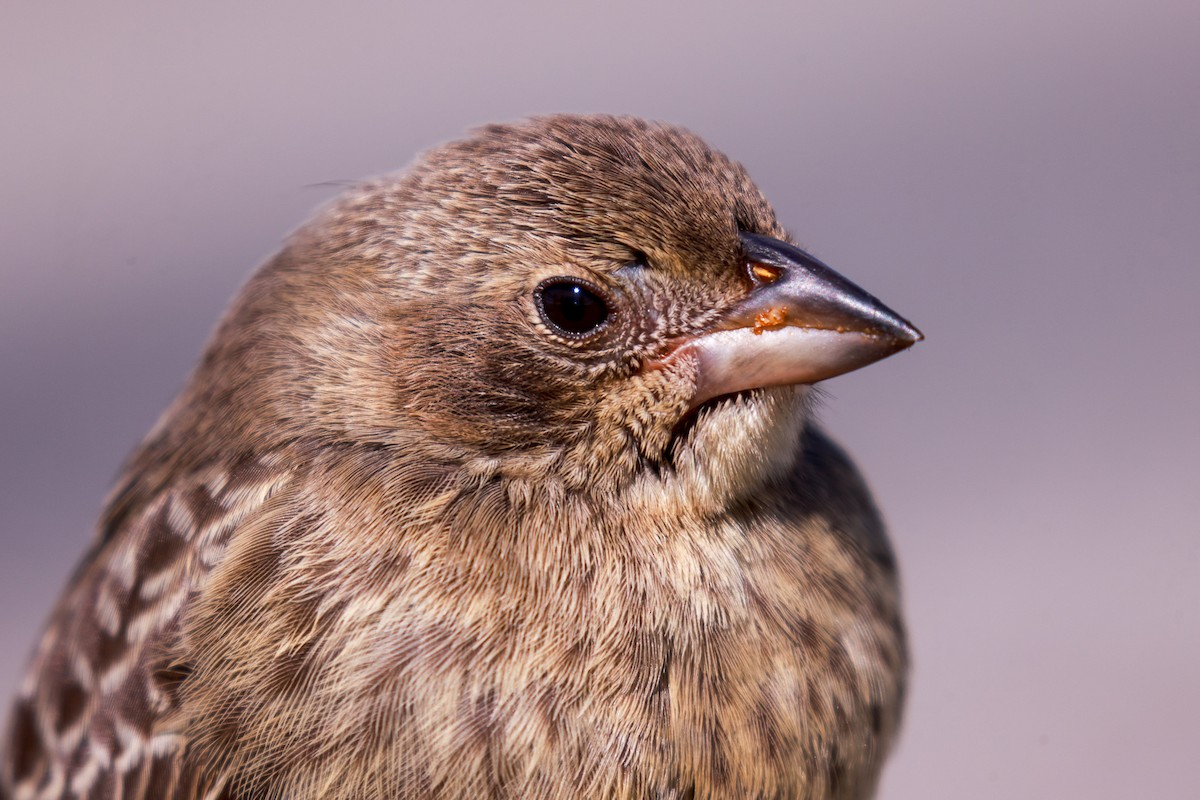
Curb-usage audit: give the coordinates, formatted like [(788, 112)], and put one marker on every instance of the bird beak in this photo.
[(802, 323)]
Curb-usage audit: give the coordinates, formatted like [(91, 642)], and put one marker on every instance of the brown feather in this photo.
[(398, 539)]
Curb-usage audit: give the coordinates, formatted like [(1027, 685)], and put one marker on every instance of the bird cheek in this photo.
[(649, 406)]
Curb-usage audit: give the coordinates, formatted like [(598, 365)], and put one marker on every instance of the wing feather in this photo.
[(93, 718)]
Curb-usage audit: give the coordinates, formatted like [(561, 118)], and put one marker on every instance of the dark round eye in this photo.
[(571, 306)]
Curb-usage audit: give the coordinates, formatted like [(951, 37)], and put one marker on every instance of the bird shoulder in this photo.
[(95, 716)]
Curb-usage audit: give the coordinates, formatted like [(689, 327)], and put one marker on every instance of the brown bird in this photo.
[(499, 481)]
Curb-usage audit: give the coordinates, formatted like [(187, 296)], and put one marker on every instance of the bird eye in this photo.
[(570, 306)]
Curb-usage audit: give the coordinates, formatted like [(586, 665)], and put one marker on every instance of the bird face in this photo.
[(590, 298)]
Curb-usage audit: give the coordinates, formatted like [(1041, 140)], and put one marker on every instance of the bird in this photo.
[(502, 479)]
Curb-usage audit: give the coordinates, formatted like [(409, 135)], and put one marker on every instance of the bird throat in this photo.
[(733, 444)]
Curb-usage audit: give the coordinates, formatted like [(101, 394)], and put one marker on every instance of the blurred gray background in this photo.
[(1021, 179)]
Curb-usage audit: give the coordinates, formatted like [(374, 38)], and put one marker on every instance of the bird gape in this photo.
[(499, 481)]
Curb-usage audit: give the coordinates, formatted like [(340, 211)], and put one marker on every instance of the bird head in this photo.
[(585, 299)]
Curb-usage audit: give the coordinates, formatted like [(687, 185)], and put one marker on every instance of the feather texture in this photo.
[(96, 715)]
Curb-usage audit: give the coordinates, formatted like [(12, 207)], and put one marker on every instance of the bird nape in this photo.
[(498, 481)]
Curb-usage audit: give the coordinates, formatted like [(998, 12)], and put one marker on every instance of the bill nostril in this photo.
[(763, 274)]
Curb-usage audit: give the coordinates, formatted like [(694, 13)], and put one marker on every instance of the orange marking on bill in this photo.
[(771, 318)]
